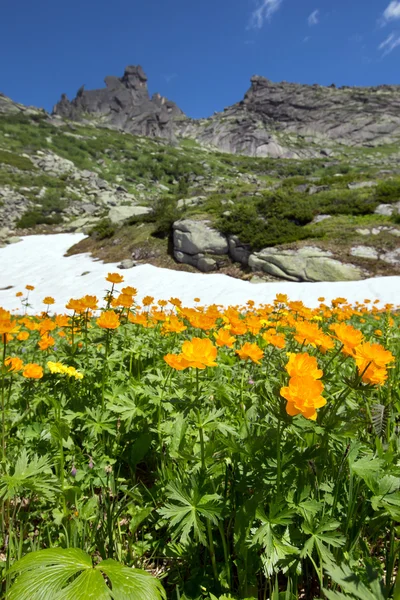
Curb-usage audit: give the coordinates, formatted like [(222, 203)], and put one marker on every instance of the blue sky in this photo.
[(201, 54)]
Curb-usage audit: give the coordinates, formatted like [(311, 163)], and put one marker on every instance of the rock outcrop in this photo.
[(198, 244), (124, 104), (305, 264)]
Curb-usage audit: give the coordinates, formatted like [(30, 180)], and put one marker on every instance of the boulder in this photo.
[(359, 185), (387, 210), (199, 261), (127, 263), (239, 252), (194, 237), (119, 214), (305, 264), (364, 252), (393, 258)]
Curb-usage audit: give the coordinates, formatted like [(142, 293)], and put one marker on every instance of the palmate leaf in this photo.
[(68, 574), (189, 510), (30, 475), (351, 584)]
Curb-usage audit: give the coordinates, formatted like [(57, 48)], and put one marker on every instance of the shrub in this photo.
[(104, 229), (388, 191), (34, 217), (14, 160)]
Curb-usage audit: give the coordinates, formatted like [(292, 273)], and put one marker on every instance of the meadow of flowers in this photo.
[(156, 451)]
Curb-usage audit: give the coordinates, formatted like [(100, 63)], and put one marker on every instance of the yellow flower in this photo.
[(30, 288), (48, 300)]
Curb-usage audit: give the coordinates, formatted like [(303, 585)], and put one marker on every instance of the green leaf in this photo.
[(68, 574), (34, 475)]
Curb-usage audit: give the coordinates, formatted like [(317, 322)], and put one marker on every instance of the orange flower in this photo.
[(46, 325), (124, 300), (129, 291), (108, 320), (374, 354), (176, 361), (348, 336), (33, 371), (89, 302), (224, 338), (14, 363), (76, 305), (19, 294), (162, 303), (199, 353), (276, 339), (281, 299), (48, 300), (46, 341), (62, 321), (138, 319), (173, 325), (7, 325), (371, 360), (303, 395), (300, 365), (251, 351), (310, 333), (114, 278), (175, 302), (24, 335), (30, 287), (147, 300)]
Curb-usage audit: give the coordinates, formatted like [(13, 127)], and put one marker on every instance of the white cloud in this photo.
[(313, 19), (392, 12), (263, 12), (388, 45)]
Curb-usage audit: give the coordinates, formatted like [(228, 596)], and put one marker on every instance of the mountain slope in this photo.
[(286, 120)]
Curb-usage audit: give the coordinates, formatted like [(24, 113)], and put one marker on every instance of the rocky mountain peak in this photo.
[(123, 103)]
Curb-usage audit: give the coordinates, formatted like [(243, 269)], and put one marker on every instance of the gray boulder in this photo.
[(359, 185), (127, 263), (387, 210), (364, 252), (194, 237), (239, 252), (305, 264), (199, 261), (119, 214)]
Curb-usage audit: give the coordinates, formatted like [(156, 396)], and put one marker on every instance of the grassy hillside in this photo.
[(56, 175)]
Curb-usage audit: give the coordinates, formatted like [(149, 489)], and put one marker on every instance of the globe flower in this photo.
[(371, 361), (114, 278), (14, 363), (199, 353), (224, 338), (303, 395), (300, 365), (310, 333), (89, 302), (275, 339), (23, 336), (46, 342), (48, 300), (129, 291), (33, 371), (250, 351), (349, 336), (30, 288), (147, 300), (173, 325), (176, 361), (108, 320)]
